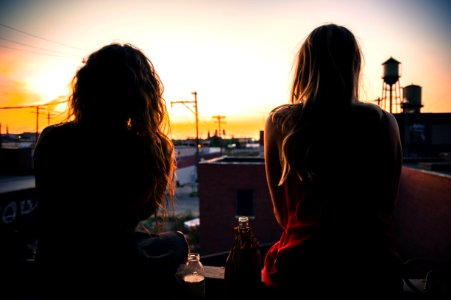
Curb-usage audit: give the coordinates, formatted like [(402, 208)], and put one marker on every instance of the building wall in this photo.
[(17, 224), (17, 161), (219, 182), (425, 134), (422, 216)]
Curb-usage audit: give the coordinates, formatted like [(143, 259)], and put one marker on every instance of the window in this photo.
[(245, 203)]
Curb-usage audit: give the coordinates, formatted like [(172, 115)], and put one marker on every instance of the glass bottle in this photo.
[(242, 274), (194, 277)]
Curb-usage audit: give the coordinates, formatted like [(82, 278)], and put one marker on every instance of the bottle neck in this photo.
[(193, 257), (243, 223)]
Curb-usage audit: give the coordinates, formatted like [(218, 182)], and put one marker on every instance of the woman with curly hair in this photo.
[(110, 166)]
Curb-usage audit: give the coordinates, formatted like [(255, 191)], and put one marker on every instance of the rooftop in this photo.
[(423, 214)]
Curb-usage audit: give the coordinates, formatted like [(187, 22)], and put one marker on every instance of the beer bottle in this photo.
[(194, 278), (242, 274)]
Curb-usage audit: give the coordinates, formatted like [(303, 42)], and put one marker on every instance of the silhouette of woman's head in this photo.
[(118, 86), (328, 68), (325, 83)]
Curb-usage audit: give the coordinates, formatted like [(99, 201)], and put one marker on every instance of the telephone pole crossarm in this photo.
[(37, 106), (196, 114)]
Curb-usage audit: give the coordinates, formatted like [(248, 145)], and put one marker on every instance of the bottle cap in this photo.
[(243, 219)]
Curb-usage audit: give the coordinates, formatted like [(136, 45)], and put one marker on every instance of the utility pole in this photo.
[(37, 115), (37, 111), (37, 124), (218, 119), (196, 114)]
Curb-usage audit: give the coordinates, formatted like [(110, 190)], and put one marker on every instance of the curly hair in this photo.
[(118, 86), (326, 81)]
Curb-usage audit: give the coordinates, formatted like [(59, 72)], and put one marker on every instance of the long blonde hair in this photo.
[(118, 86), (326, 82)]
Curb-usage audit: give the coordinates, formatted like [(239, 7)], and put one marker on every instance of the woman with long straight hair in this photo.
[(333, 166)]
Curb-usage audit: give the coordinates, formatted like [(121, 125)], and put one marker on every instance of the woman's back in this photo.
[(338, 223), (354, 156), (89, 190), (89, 187)]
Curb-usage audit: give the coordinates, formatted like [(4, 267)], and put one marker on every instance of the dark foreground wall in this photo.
[(423, 215), (18, 161), (17, 224)]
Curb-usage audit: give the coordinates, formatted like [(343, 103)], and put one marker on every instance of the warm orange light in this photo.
[(237, 57)]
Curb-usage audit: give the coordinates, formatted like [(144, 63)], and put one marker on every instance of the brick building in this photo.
[(230, 187)]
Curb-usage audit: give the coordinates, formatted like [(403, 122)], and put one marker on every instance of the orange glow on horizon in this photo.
[(237, 55), (238, 128)]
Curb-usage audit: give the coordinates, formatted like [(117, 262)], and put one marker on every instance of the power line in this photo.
[(35, 52), (38, 48), (28, 106), (37, 106), (16, 107), (40, 37)]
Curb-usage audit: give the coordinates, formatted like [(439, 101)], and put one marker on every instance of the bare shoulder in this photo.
[(271, 128), (274, 125), (392, 122), (279, 115), (55, 134), (374, 114), (56, 130), (368, 110)]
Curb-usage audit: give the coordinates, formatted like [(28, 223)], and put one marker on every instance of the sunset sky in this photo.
[(237, 54)]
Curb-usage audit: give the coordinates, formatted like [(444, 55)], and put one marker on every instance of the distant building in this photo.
[(186, 162), (425, 135)]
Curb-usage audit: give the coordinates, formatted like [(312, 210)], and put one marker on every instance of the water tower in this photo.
[(390, 85), (411, 99)]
